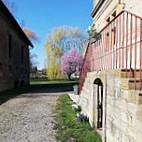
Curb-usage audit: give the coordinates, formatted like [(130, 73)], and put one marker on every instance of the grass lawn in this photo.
[(68, 129), (62, 85), (45, 81)]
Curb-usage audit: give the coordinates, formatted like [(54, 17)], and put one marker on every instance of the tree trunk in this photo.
[(69, 76)]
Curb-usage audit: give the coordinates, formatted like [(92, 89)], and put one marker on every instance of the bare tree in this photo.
[(31, 34), (68, 37)]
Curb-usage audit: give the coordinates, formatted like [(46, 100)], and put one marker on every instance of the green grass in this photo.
[(46, 81), (68, 127), (64, 85)]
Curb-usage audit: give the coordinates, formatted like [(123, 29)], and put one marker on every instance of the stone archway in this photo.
[(99, 102)]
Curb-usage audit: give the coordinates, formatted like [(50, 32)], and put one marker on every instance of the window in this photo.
[(108, 20), (10, 46), (114, 14)]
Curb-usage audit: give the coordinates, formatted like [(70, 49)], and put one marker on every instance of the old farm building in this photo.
[(111, 76), (14, 52)]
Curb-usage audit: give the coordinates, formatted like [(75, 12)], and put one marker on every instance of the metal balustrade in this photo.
[(119, 47)]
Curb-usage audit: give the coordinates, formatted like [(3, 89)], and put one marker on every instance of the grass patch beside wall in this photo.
[(46, 81), (68, 129)]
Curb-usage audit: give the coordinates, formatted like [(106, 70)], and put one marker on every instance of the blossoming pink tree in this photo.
[(71, 62)]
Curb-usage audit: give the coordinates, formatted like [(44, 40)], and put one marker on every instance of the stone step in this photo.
[(140, 97), (137, 74), (127, 73), (124, 83), (133, 96), (131, 83), (135, 84)]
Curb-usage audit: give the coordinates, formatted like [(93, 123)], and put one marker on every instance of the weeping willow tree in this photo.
[(53, 60), (60, 41)]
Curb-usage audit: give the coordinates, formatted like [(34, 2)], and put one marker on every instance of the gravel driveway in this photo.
[(28, 118)]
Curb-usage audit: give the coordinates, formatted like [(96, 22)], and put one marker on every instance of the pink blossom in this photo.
[(71, 61)]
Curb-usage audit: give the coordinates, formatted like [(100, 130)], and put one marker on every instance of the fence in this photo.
[(119, 47)]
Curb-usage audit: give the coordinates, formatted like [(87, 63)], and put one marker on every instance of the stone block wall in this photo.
[(122, 109), (14, 56)]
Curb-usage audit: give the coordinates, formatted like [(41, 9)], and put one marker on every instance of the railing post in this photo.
[(111, 47), (126, 43), (123, 40), (140, 83), (114, 30), (135, 51), (117, 43), (120, 49), (131, 32)]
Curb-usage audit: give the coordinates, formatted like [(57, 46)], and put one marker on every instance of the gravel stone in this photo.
[(28, 118)]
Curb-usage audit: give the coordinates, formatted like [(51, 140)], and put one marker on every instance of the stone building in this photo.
[(14, 52), (111, 76)]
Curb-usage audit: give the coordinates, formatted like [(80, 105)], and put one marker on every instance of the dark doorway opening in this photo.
[(99, 97)]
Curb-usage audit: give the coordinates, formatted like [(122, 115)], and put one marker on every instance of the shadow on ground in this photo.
[(35, 90)]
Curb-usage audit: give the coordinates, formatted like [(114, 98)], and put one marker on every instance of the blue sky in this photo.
[(43, 15)]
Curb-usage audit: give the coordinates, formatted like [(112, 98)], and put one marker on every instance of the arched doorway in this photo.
[(99, 101)]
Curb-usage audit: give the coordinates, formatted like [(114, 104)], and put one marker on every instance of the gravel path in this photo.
[(28, 118)]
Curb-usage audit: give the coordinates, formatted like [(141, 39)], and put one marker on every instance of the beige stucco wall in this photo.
[(109, 6), (12, 68), (122, 108), (95, 2)]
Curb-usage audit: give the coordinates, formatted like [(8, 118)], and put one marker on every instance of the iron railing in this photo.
[(119, 47)]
